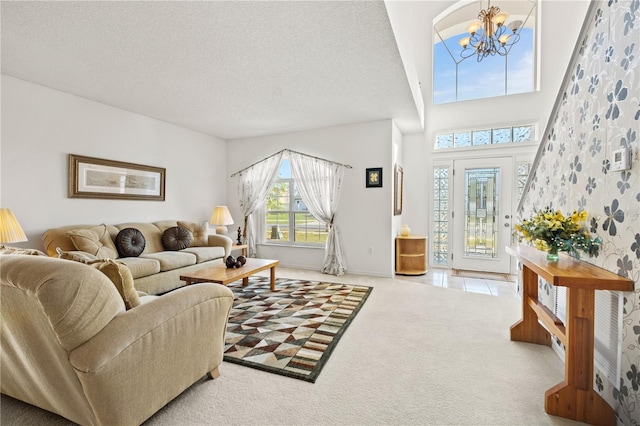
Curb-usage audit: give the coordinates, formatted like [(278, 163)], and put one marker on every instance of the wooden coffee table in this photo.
[(222, 275)]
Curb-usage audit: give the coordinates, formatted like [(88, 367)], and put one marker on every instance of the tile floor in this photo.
[(500, 285)]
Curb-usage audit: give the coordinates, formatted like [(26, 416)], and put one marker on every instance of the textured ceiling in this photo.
[(229, 69)]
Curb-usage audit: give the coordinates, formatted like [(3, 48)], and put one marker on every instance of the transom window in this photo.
[(459, 77), (482, 137), (287, 218)]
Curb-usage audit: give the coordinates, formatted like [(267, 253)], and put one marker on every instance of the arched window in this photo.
[(460, 73)]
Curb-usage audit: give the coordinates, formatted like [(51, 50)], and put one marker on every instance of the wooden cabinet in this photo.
[(411, 255)]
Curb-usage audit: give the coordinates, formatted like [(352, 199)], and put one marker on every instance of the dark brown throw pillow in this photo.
[(176, 238), (130, 242)]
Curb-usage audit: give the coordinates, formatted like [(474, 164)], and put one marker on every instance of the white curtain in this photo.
[(319, 185), (253, 189)]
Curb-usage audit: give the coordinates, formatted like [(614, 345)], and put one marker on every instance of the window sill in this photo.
[(297, 246)]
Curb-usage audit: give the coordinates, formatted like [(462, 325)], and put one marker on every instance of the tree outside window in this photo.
[(287, 218)]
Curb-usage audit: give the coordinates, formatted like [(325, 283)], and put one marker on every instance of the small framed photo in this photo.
[(374, 177)]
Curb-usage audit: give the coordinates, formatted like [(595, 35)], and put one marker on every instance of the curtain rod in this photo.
[(295, 152)]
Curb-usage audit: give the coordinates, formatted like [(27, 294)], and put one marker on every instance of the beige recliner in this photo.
[(69, 346)]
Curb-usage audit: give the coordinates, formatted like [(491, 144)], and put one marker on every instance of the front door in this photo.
[(482, 191)]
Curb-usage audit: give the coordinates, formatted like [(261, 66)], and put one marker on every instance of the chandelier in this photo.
[(488, 35)]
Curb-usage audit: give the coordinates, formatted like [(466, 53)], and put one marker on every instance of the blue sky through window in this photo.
[(285, 169), (493, 76)]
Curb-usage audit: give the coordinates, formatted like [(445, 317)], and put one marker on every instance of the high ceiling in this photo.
[(228, 69)]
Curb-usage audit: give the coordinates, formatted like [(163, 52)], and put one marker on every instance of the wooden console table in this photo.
[(573, 398)]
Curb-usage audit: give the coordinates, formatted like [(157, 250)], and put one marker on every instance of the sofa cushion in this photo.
[(141, 267), (17, 250), (121, 278), (176, 238), (77, 256), (204, 254), (147, 298), (171, 259), (199, 232), (130, 242), (95, 240)]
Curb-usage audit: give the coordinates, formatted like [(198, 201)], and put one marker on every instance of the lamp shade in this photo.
[(221, 217), (515, 25), (504, 39), (500, 18), (10, 230), (464, 42)]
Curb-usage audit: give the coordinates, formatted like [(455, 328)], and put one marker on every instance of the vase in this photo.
[(405, 230), (552, 254)]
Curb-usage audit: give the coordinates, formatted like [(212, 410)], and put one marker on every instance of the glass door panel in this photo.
[(482, 214)]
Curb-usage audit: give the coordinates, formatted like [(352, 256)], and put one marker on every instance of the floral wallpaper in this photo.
[(599, 113)]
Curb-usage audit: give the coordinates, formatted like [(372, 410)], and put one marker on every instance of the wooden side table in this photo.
[(573, 398), (242, 247), (411, 255)]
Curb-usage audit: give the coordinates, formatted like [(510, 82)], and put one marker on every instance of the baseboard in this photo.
[(349, 271)]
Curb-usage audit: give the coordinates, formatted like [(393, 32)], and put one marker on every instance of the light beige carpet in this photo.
[(414, 355)]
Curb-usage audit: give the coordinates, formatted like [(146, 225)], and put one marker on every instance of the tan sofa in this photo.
[(69, 346), (156, 270)]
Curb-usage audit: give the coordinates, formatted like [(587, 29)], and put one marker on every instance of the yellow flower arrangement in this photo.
[(552, 231)]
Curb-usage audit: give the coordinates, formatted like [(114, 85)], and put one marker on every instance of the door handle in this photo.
[(506, 225), (507, 216)]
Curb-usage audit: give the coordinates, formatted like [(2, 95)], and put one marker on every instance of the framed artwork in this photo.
[(374, 177), (99, 178), (399, 183)]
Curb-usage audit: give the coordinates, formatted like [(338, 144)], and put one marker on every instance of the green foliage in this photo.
[(279, 191)]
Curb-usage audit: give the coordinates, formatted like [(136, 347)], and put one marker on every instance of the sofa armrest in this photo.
[(148, 355), (217, 240)]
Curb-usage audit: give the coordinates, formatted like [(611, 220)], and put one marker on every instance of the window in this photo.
[(440, 235), (287, 218), (475, 138), (456, 78), (524, 168)]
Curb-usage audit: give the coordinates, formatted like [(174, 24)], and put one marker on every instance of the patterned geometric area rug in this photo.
[(290, 331)]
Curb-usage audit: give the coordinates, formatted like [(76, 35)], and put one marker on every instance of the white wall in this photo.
[(404, 26), (364, 215), (41, 126), (417, 181)]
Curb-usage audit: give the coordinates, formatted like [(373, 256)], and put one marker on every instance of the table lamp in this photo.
[(220, 218), (10, 230)]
